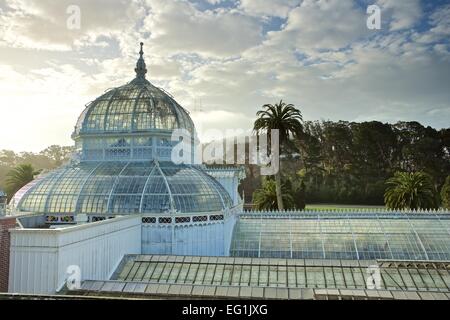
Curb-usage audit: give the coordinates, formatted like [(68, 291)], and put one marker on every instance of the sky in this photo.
[(222, 60)]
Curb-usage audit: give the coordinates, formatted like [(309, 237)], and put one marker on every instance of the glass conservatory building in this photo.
[(123, 162), (133, 220)]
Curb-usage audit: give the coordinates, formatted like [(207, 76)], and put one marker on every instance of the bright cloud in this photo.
[(322, 24), (404, 14), (279, 8), (177, 26)]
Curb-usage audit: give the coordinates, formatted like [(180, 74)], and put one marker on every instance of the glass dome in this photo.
[(136, 107), (123, 161), (123, 188), (133, 122)]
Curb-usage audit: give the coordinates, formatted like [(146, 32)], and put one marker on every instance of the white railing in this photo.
[(350, 210), (11, 211), (347, 212)]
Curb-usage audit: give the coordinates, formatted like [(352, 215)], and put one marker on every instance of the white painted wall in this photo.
[(229, 225), (198, 240), (40, 257)]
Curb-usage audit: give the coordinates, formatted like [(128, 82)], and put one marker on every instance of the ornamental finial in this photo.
[(141, 68)]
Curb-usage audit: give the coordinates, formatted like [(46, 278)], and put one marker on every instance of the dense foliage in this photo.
[(349, 163), (445, 193)]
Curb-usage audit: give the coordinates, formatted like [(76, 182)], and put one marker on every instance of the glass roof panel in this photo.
[(342, 236), (338, 274), (121, 188)]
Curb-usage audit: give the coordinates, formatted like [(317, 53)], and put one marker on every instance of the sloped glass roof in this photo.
[(358, 236), (282, 273), (123, 188)]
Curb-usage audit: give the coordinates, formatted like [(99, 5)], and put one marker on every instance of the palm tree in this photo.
[(18, 177), (410, 191), (288, 120), (265, 198)]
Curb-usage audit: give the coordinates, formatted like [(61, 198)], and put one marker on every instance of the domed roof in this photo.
[(137, 106), (123, 188), (117, 174)]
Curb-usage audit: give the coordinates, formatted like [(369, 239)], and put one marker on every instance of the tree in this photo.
[(348, 163), (375, 146), (288, 120), (411, 191), (422, 149), (48, 159), (265, 198), (8, 158), (19, 177), (58, 154), (300, 197), (445, 193)]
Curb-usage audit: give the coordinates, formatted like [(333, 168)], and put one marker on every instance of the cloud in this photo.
[(439, 31), (209, 123), (278, 8), (440, 20), (400, 13), (321, 24), (178, 27), (43, 24)]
